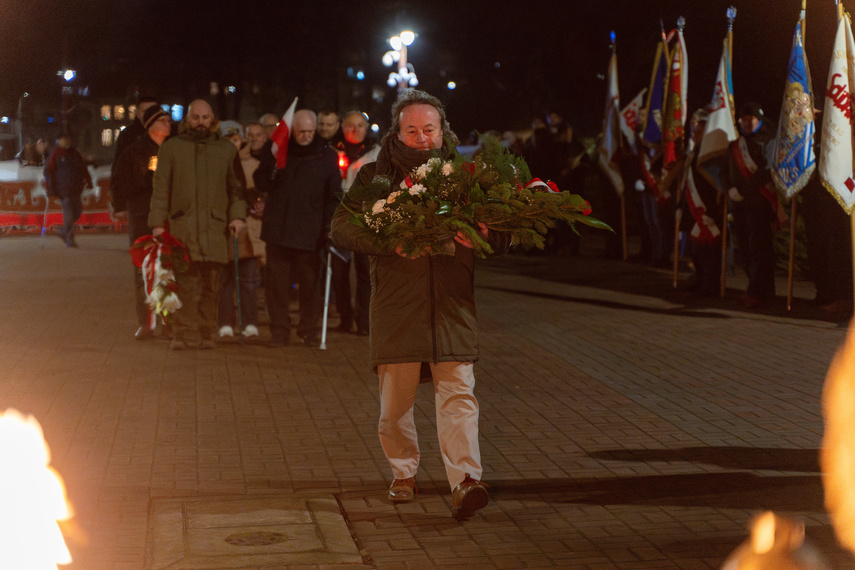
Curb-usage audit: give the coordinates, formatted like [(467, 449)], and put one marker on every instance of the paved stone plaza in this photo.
[(624, 425)]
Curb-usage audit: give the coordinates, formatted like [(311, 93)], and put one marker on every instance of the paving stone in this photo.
[(623, 424)]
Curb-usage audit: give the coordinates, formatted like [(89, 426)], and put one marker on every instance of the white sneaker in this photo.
[(250, 330), (226, 330)]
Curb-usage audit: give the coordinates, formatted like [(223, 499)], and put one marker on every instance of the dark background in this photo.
[(510, 60)]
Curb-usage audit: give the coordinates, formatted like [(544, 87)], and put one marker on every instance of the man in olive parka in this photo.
[(198, 198), (422, 315)]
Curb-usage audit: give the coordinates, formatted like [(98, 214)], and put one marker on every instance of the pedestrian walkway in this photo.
[(624, 425)]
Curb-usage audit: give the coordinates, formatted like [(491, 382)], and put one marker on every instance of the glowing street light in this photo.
[(405, 76)]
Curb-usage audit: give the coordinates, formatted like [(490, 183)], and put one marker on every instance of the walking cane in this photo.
[(237, 291), (44, 217), (326, 302)]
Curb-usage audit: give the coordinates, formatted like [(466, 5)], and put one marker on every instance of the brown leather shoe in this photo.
[(469, 496), (403, 490)]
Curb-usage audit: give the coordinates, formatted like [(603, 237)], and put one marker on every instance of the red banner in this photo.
[(22, 209)]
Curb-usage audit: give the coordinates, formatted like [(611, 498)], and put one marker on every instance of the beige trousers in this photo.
[(456, 418)]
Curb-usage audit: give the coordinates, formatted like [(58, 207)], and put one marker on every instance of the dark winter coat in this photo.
[(66, 174), (423, 309), (298, 210), (760, 146), (131, 184)]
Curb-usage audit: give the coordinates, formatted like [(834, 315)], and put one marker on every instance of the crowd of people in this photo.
[(679, 211), (249, 215), (288, 249), (239, 205)]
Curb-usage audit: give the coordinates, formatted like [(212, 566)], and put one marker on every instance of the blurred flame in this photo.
[(32, 498), (776, 543), (343, 163), (763, 533), (837, 456)]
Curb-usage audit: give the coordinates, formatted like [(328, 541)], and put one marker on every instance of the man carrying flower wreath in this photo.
[(422, 314)]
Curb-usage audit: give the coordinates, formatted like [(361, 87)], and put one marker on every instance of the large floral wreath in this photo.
[(158, 258), (442, 198)]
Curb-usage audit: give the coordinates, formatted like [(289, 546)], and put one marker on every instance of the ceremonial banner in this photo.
[(282, 135), (721, 127), (835, 165), (610, 144), (704, 229), (795, 160), (656, 97), (674, 121), (629, 119), (652, 136)]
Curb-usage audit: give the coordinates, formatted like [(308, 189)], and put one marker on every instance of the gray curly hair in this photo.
[(409, 97)]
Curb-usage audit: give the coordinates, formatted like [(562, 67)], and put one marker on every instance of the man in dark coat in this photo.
[(752, 195), (131, 187), (422, 316), (66, 175), (296, 222), (355, 150), (129, 135)]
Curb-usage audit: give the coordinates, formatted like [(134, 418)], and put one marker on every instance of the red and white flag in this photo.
[(629, 119), (721, 125), (611, 141), (836, 162), (281, 136)]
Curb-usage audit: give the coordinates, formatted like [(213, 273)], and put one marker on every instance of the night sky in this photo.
[(510, 60)]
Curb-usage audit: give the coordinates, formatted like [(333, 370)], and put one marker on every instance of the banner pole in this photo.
[(678, 215), (724, 251), (791, 264), (623, 223), (731, 16)]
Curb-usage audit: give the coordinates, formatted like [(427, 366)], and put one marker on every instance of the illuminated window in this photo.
[(107, 137), (177, 113), (105, 112), (132, 112), (116, 134), (119, 112)]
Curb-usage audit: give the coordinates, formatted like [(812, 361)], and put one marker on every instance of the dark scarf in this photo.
[(298, 151), (353, 150), (396, 160)]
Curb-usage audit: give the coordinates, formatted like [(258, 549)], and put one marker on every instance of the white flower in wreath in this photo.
[(390, 199), (417, 189), (423, 170), (170, 303), (378, 206), (447, 169)]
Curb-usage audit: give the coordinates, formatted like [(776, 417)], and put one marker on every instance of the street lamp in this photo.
[(67, 96), (405, 76), (19, 121)]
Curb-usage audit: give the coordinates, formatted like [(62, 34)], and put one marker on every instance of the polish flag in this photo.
[(281, 136)]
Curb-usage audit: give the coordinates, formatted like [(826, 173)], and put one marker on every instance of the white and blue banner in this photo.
[(795, 158)]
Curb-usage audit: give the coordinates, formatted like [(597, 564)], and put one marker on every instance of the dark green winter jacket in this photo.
[(196, 194), (423, 309)]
